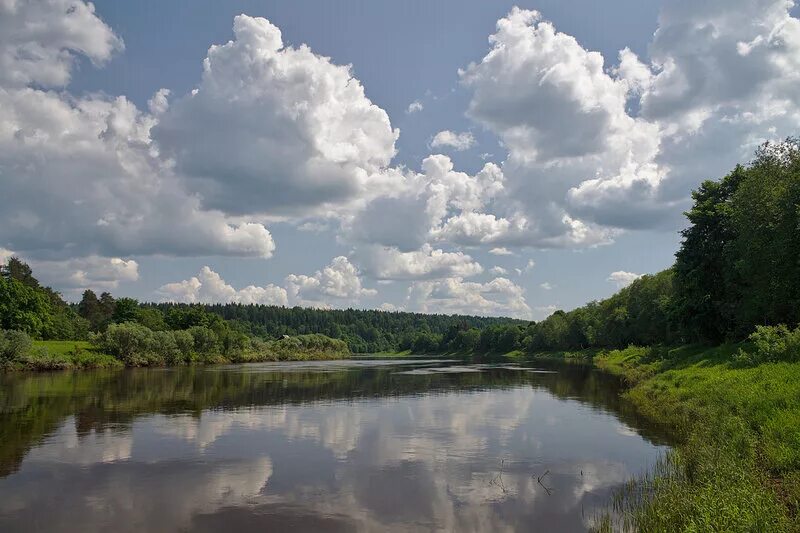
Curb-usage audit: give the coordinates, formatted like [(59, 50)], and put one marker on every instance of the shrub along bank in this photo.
[(134, 345)]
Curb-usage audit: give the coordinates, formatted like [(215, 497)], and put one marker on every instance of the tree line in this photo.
[(40, 312)]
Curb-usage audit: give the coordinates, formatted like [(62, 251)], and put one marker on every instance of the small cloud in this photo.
[(544, 311), (5, 255), (546, 286), (386, 306), (498, 270), (457, 141), (622, 278), (313, 227), (531, 264), (415, 107), (501, 251)]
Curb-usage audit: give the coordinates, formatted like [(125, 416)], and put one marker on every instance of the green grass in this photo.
[(65, 355), (62, 347), (736, 465)]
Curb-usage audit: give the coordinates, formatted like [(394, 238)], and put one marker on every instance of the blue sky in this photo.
[(592, 152)]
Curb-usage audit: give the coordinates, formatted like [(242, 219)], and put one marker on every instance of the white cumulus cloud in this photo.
[(275, 129), (457, 141), (82, 176), (339, 282), (622, 278), (391, 264), (499, 296), (209, 287)]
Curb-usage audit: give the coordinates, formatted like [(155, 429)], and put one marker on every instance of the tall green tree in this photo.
[(17, 269), (708, 288), (766, 218)]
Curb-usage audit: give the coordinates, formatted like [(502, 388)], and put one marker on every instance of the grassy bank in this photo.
[(63, 355), (736, 466)]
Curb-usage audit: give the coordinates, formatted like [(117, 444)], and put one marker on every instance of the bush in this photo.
[(164, 346), (40, 359), (136, 345), (205, 340), (304, 347), (235, 343), (185, 344), (14, 345), (128, 342), (66, 325), (770, 344)]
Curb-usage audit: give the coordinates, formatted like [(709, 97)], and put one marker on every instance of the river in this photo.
[(355, 445)]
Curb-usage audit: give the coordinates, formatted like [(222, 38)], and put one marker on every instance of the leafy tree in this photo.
[(467, 340), (125, 310), (766, 221), (23, 307), (66, 324), (707, 286), (151, 318), (20, 271)]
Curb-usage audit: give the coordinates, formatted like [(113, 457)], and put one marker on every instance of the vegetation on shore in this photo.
[(133, 345), (734, 411)]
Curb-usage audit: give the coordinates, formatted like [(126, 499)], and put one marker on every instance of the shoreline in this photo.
[(54, 356), (735, 465)]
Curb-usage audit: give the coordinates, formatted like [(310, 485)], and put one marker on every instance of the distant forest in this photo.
[(365, 331), (737, 269)]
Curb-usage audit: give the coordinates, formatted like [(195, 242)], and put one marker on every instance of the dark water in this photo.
[(338, 446)]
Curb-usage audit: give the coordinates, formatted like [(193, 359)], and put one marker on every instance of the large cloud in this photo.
[(423, 203), (276, 129), (593, 149), (209, 287), (499, 296), (563, 120), (426, 263), (40, 40), (338, 283), (81, 176), (722, 79)]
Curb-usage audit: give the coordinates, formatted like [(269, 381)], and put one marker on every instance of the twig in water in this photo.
[(539, 479), (498, 480)]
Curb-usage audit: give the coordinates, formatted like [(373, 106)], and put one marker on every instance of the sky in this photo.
[(490, 158)]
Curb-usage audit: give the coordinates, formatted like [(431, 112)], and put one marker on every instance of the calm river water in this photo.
[(358, 445)]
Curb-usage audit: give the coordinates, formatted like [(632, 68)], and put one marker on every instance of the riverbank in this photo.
[(82, 355), (736, 466)]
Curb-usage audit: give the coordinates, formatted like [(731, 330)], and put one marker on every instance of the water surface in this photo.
[(359, 445)]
